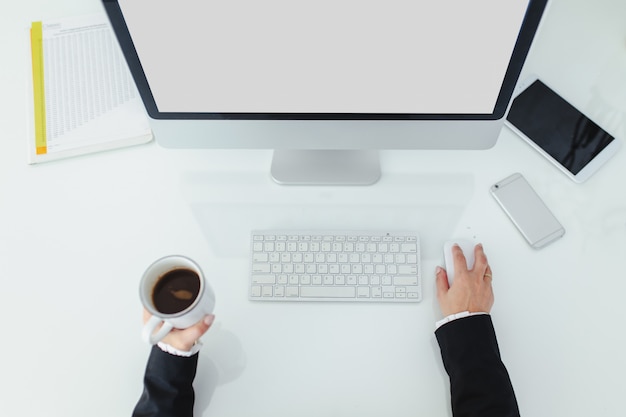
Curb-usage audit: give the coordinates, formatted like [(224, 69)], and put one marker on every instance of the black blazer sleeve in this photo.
[(168, 390), (479, 383)]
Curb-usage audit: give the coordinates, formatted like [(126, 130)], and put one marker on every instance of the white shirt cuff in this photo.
[(456, 316), (173, 351)]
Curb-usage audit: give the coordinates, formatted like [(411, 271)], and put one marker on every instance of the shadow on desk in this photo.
[(222, 360), (228, 206)]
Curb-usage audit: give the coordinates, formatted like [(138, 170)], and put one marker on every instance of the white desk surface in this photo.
[(75, 236)]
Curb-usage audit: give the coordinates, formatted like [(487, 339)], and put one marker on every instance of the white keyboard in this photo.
[(335, 266)]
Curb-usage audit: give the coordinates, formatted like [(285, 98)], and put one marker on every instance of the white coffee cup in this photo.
[(203, 304)]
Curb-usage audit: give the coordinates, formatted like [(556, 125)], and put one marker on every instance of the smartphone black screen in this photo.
[(557, 127)]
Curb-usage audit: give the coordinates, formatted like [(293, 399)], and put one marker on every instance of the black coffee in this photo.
[(176, 290)]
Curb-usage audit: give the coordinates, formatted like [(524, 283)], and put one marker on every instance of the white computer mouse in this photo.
[(467, 246)]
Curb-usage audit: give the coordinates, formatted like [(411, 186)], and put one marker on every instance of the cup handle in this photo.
[(148, 334)]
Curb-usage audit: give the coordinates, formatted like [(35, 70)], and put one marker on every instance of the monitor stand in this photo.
[(325, 167)]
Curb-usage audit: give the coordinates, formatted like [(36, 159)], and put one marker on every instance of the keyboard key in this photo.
[(413, 292), (407, 269), (409, 248), (261, 268), (328, 292), (405, 280), (363, 292), (263, 279), (260, 257)]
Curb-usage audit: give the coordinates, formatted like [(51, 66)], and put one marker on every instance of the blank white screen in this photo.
[(325, 56)]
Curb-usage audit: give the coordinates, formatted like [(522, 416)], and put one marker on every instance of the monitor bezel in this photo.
[(527, 32)]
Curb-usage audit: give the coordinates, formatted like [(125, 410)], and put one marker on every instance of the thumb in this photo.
[(193, 333), (203, 325), (442, 281)]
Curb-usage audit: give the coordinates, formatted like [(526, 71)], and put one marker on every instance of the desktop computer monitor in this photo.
[(326, 83)]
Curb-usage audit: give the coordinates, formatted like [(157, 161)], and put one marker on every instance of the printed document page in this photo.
[(88, 96)]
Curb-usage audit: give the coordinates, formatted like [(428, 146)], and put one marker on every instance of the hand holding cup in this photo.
[(175, 295)]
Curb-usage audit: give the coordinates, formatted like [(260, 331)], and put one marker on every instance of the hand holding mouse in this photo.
[(471, 290), (467, 247)]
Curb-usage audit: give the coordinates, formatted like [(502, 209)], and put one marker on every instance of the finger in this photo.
[(480, 260), (488, 274), (442, 281), (207, 321), (460, 263), (196, 331), (146, 315)]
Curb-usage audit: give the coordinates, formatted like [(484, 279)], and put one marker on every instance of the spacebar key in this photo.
[(328, 292)]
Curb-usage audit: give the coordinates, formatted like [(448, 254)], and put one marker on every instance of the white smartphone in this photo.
[(559, 131), (527, 210)]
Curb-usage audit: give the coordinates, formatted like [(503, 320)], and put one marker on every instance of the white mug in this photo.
[(203, 304)]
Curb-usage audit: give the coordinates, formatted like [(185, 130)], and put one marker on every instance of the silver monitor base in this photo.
[(325, 167)]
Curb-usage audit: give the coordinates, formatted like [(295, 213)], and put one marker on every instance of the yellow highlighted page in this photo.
[(36, 39)]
